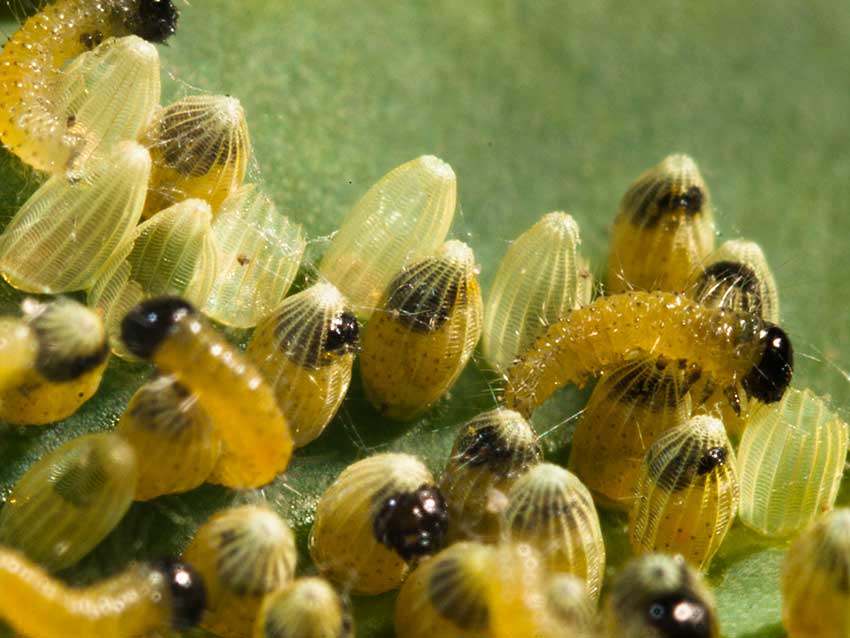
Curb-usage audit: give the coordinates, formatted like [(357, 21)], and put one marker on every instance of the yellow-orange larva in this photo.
[(306, 608), (403, 218), (687, 494), (423, 334), (380, 515), (663, 231), (243, 554), (728, 347), (70, 500), (791, 460), (53, 359), (305, 350), (143, 600), (630, 407), (815, 576), (32, 62), (175, 442), (256, 439), (200, 148), (489, 454), (550, 509), (541, 278), (659, 596)]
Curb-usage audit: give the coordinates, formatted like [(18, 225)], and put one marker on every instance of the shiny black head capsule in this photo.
[(154, 20), (147, 325), (414, 524), (188, 593), (679, 617), (769, 378), (343, 333)]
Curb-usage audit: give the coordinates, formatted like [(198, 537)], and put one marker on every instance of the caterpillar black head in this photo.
[(679, 616), (769, 378), (154, 20), (188, 593), (147, 325), (414, 524)]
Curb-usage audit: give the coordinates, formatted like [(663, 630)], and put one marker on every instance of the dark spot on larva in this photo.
[(771, 375), (676, 616), (424, 295), (55, 361), (312, 338), (733, 397), (147, 325), (656, 200), (91, 39), (731, 286), (713, 458), (675, 471), (243, 260), (188, 595), (155, 20), (656, 384), (157, 408), (451, 595), (487, 446), (71, 120), (343, 333), (413, 524)]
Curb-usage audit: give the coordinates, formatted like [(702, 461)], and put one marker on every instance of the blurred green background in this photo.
[(538, 106)]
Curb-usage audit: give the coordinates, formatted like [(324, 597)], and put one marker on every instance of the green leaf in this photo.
[(538, 106)]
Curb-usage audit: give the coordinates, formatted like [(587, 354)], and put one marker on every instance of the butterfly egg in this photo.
[(34, 124), (791, 460), (815, 595), (403, 218), (571, 605), (243, 553), (629, 408), (172, 254), (68, 502), (107, 95), (306, 608), (542, 277), (200, 148), (421, 338), (664, 229), (18, 352), (64, 234), (259, 253), (659, 596), (728, 347), (687, 493), (447, 595), (550, 509), (380, 515), (305, 350), (175, 442), (489, 454), (170, 333), (143, 600)]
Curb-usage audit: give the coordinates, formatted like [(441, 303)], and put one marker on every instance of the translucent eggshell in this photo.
[(306, 608), (305, 350), (571, 605), (401, 219), (489, 454), (175, 443), (687, 494), (107, 95), (171, 254), (64, 234), (243, 554), (200, 148), (70, 500), (541, 278), (791, 460), (260, 251), (663, 231), (550, 509)]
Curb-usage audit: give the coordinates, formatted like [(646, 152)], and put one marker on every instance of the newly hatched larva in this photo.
[(64, 234), (489, 454), (630, 407), (550, 509), (259, 253), (169, 332), (107, 95), (378, 516), (305, 350), (663, 231), (175, 442), (687, 493), (172, 254), (243, 554), (70, 500), (403, 218), (660, 596), (306, 608), (53, 360), (200, 148), (790, 460), (33, 58), (143, 600), (815, 576), (571, 605), (418, 342), (541, 278), (728, 347)]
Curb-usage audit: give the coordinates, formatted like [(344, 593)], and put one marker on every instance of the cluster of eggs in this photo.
[(684, 345)]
